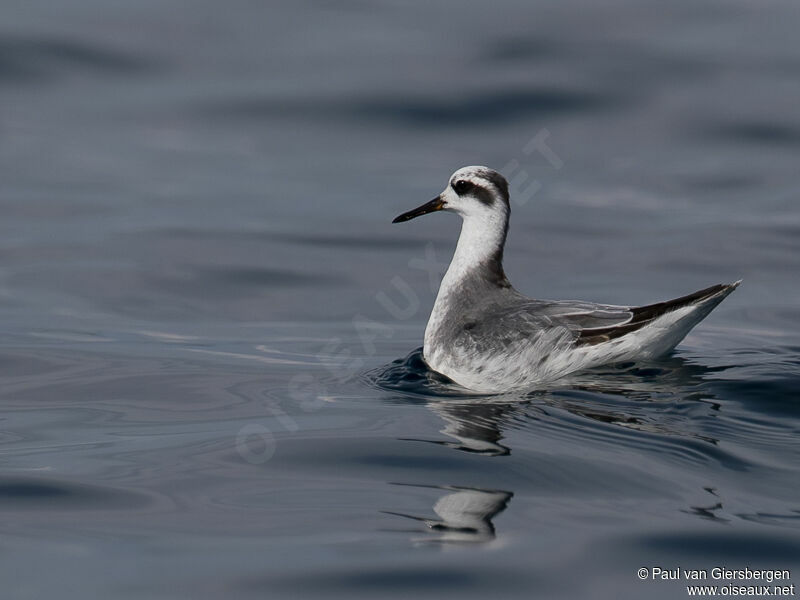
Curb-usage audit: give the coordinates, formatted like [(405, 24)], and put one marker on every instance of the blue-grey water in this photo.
[(210, 377)]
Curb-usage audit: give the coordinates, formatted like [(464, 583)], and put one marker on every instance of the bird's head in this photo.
[(471, 192)]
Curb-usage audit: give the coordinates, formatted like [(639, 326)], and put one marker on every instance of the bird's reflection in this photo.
[(473, 427), (622, 395), (463, 515), (671, 375), (619, 395), (616, 396)]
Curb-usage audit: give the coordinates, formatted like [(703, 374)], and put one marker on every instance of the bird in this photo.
[(487, 337)]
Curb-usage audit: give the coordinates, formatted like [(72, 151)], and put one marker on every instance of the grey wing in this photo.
[(580, 316), (596, 323), (583, 322), (503, 326)]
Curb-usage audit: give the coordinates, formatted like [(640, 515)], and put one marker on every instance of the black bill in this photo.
[(429, 207)]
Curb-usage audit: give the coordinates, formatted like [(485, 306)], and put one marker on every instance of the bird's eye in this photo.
[(461, 186)]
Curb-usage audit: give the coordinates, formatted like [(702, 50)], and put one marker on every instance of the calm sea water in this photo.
[(210, 382)]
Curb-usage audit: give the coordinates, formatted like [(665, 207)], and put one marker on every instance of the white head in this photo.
[(473, 192), (480, 196)]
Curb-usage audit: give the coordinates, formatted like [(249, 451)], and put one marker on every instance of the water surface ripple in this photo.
[(211, 384)]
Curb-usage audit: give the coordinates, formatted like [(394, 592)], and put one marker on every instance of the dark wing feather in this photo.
[(643, 315)]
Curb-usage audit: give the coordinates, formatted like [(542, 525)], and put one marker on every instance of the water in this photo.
[(209, 377)]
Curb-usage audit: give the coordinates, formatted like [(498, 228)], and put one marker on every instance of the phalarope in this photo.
[(487, 337)]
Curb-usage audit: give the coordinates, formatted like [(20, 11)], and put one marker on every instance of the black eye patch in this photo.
[(462, 186)]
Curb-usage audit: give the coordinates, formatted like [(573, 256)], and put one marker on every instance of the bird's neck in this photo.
[(479, 254), (475, 273)]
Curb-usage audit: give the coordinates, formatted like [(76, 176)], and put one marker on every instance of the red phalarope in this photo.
[(487, 337)]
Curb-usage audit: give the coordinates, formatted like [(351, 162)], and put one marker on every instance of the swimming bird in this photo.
[(487, 337)]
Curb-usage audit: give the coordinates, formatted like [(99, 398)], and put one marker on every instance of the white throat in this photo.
[(480, 243)]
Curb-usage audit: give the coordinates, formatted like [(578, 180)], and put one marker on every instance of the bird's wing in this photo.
[(595, 323), (579, 316), (497, 328), (644, 315)]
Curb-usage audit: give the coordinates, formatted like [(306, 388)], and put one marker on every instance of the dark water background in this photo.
[(200, 290)]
